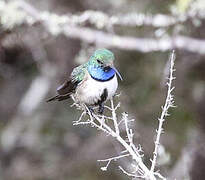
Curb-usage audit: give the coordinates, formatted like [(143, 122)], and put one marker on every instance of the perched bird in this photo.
[(91, 83)]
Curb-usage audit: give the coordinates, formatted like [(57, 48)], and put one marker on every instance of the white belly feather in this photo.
[(90, 90)]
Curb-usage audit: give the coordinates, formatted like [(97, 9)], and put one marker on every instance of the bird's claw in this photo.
[(101, 109)]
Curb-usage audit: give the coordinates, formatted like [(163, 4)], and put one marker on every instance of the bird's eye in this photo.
[(100, 62)]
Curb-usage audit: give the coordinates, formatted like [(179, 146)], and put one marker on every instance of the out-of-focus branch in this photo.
[(28, 105), (100, 19), (132, 43), (69, 26)]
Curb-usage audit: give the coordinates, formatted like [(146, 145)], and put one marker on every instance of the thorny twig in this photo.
[(112, 159), (168, 103)]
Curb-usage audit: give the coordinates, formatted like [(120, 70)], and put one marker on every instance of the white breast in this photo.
[(90, 90)]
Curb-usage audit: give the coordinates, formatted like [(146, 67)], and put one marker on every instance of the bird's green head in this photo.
[(102, 57)]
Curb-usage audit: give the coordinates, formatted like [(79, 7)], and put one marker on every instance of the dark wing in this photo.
[(65, 90)]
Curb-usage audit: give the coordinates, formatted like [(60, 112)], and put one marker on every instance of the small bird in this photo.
[(92, 83)]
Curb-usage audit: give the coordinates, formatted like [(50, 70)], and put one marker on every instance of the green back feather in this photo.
[(78, 73)]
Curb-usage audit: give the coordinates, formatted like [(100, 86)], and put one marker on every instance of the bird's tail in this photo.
[(52, 99), (59, 97)]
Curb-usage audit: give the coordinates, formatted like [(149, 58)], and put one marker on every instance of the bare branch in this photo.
[(99, 122), (112, 159), (168, 103), (114, 116), (129, 174)]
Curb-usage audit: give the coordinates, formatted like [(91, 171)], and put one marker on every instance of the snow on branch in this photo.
[(19, 12)]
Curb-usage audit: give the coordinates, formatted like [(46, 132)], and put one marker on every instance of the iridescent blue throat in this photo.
[(101, 74)]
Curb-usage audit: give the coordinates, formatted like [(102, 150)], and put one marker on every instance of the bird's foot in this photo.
[(101, 109), (89, 111)]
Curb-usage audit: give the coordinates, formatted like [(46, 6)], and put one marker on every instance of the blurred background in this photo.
[(42, 41)]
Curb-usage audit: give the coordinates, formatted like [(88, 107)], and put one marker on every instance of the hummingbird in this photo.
[(92, 83)]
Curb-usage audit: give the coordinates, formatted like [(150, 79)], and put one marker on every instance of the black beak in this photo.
[(119, 75), (110, 65)]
